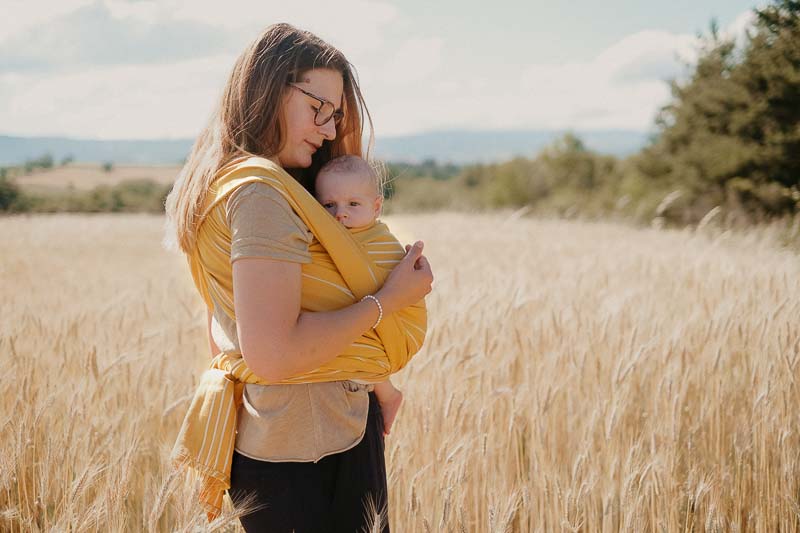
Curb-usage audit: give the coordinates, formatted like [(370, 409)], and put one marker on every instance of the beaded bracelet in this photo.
[(380, 308)]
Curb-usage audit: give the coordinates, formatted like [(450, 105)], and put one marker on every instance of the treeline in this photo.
[(132, 196), (728, 143), (564, 178)]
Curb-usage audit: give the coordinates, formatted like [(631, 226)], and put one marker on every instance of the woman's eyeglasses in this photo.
[(325, 111)]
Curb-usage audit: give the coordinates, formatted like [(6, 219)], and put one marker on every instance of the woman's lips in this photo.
[(313, 146)]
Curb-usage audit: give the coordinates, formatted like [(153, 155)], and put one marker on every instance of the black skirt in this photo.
[(339, 493)]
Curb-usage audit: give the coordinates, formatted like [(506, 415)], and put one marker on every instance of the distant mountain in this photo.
[(491, 146), (456, 146), (16, 150)]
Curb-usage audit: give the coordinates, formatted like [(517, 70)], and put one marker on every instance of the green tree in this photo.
[(732, 131)]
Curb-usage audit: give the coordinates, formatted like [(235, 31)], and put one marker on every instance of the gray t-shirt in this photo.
[(303, 422)]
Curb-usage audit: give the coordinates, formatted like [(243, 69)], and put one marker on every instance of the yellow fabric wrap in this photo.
[(345, 267)]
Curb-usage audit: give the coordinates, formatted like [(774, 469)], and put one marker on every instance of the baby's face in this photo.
[(350, 197)]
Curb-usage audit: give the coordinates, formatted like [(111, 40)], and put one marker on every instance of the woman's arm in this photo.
[(278, 341)]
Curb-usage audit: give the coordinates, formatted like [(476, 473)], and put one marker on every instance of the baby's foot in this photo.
[(389, 407)]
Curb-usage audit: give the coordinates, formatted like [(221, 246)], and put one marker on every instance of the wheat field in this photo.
[(576, 377)]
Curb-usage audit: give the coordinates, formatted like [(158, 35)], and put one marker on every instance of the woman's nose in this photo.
[(328, 130)]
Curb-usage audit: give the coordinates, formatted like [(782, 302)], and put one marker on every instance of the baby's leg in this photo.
[(390, 398)]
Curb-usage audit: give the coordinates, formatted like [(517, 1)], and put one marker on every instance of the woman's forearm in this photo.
[(318, 337), (278, 340)]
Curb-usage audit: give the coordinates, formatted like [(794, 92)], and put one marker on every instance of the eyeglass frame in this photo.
[(338, 113)]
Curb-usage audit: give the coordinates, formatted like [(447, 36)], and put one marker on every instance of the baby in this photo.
[(350, 191)]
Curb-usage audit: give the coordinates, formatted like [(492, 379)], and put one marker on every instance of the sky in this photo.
[(141, 69)]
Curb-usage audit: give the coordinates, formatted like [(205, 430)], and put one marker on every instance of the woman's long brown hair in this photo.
[(248, 120)]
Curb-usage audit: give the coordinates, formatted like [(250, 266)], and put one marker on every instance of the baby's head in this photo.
[(350, 190)]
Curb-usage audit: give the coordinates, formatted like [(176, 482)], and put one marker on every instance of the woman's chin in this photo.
[(299, 162)]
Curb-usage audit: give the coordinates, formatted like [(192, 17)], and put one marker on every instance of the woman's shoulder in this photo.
[(243, 176), (259, 189), (262, 224), (260, 197)]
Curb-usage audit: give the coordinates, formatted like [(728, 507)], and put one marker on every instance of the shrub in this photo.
[(9, 193)]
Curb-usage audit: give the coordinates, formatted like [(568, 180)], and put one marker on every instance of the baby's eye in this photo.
[(327, 206), (354, 204)]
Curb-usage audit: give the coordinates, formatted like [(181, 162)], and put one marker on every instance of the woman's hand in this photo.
[(409, 281)]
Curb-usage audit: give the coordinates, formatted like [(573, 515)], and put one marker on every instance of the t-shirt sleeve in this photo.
[(263, 224)]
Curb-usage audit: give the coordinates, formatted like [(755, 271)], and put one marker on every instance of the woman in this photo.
[(310, 455)]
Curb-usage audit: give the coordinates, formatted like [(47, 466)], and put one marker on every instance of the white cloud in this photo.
[(737, 29), (26, 14), (646, 55), (133, 101), (417, 58), (621, 87), (95, 35), (406, 74), (354, 26), (146, 11), (122, 69), (76, 33), (411, 83)]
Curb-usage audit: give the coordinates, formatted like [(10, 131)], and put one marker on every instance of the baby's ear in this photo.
[(378, 206)]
